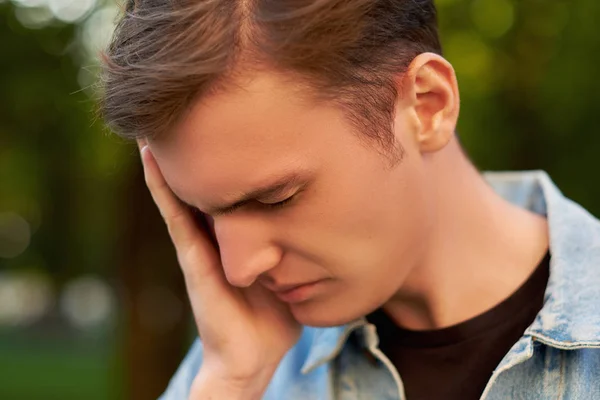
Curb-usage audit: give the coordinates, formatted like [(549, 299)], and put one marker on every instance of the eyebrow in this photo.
[(278, 185)]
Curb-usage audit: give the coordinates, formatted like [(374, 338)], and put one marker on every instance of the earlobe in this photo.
[(436, 100)]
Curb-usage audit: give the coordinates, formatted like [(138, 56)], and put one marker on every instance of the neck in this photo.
[(481, 249)]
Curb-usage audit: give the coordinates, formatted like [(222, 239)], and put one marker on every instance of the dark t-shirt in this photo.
[(458, 361)]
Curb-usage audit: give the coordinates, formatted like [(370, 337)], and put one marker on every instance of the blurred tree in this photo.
[(39, 120), (155, 302), (529, 94), (83, 193)]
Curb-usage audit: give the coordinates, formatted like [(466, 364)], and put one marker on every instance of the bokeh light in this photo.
[(87, 302), (38, 13), (15, 235), (71, 10), (493, 18), (97, 29), (473, 60), (30, 3), (24, 297), (34, 17)]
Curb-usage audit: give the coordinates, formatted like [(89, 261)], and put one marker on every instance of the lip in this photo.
[(298, 293)]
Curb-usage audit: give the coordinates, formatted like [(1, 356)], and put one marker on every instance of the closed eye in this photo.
[(278, 204)]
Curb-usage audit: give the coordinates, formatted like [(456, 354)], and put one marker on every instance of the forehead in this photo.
[(230, 141)]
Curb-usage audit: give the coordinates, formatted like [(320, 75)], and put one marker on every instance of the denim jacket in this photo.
[(558, 356)]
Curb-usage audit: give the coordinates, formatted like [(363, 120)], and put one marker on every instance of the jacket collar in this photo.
[(570, 317)]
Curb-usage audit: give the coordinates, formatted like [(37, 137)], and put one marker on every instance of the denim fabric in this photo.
[(558, 356)]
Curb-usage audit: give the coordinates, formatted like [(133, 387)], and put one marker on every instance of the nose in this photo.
[(246, 249)]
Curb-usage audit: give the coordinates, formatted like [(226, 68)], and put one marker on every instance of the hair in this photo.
[(164, 54)]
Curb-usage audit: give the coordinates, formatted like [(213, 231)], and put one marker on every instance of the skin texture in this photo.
[(425, 238)]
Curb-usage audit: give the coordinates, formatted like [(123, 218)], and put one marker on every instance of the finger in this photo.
[(197, 255), (209, 293), (178, 218), (142, 143)]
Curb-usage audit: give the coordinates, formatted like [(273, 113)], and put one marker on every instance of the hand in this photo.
[(245, 332)]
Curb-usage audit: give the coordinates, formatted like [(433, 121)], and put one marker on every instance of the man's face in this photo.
[(354, 224)]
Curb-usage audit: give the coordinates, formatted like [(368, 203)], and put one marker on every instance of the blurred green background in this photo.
[(91, 303)]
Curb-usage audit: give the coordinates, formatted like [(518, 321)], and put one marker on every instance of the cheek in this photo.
[(360, 218), (359, 235), (388, 233), (368, 257)]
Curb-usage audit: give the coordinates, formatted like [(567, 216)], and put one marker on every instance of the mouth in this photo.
[(298, 293)]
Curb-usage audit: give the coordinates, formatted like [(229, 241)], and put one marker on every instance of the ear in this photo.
[(431, 92)]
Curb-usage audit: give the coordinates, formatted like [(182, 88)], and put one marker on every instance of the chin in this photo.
[(319, 315)]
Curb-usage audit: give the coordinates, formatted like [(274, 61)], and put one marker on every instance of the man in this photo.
[(352, 251)]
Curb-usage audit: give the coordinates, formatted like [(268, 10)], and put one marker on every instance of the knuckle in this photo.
[(175, 219), (193, 263)]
